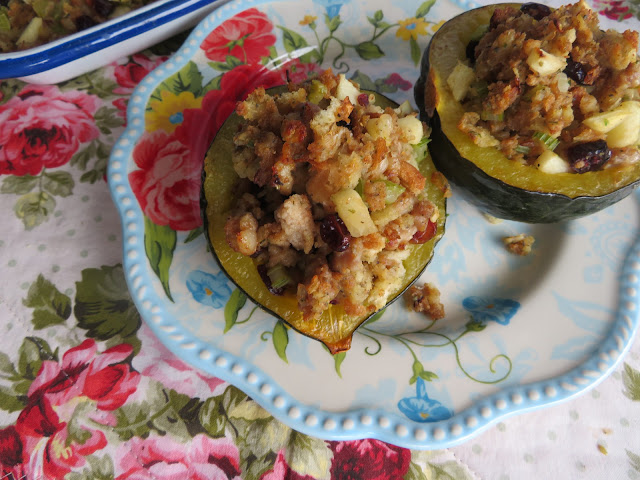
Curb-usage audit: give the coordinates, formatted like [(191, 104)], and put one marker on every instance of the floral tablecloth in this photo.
[(88, 392)]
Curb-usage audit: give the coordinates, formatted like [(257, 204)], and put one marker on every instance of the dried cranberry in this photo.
[(103, 7), (471, 50), (585, 157), (535, 10), (426, 234), (83, 22), (335, 233), (262, 271), (363, 99), (576, 71)]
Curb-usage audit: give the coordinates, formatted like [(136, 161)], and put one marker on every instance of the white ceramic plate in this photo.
[(520, 332), (102, 44)]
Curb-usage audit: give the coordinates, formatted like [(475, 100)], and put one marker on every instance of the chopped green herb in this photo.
[(547, 140)]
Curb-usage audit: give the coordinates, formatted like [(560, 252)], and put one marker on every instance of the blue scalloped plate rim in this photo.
[(361, 423)]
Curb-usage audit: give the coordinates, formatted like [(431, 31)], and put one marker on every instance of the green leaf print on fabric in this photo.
[(634, 460), (215, 412), (58, 183), (159, 412), (99, 468), (107, 119), (34, 208), (308, 455), (104, 307), (18, 185), (50, 306), (415, 473), (425, 8), (159, 244), (631, 380)]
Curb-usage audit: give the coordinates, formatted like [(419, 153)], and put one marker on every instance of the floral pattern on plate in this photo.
[(398, 368)]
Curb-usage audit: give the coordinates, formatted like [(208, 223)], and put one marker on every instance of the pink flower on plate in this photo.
[(164, 458), (201, 124), (158, 363), (396, 80), (102, 377), (613, 9), (282, 471), (167, 184), (298, 71), (246, 36), (42, 127), (131, 73)]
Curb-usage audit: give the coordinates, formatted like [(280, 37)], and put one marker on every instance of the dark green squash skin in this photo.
[(492, 195)]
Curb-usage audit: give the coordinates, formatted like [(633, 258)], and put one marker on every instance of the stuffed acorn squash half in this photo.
[(321, 203), (535, 113)]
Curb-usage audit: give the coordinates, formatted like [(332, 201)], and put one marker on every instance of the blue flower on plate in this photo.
[(208, 289), (486, 309), (332, 6), (423, 409)]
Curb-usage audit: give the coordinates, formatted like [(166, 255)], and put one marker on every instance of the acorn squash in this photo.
[(484, 175), (334, 327)]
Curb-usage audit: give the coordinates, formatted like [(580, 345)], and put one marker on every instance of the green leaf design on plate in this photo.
[(631, 380), (159, 245), (424, 8), (34, 208), (18, 185), (332, 23), (58, 183), (414, 473), (50, 306), (369, 50), (104, 307), (280, 340), (236, 301), (292, 40), (193, 234), (188, 79), (420, 372), (416, 53), (338, 358)]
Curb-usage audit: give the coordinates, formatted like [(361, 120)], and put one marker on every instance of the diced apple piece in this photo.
[(347, 89), (353, 212), (543, 63), (549, 162), (460, 80), (626, 133), (404, 109), (607, 121), (412, 129), (381, 127)]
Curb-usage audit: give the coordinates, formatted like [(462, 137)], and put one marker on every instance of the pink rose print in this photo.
[(157, 362), (246, 36), (368, 460), (164, 458), (397, 81), (167, 185), (282, 471), (42, 127), (39, 447), (104, 378), (131, 73)]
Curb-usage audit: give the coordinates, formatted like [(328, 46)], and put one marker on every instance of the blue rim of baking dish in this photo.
[(78, 45), (357, 423)]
